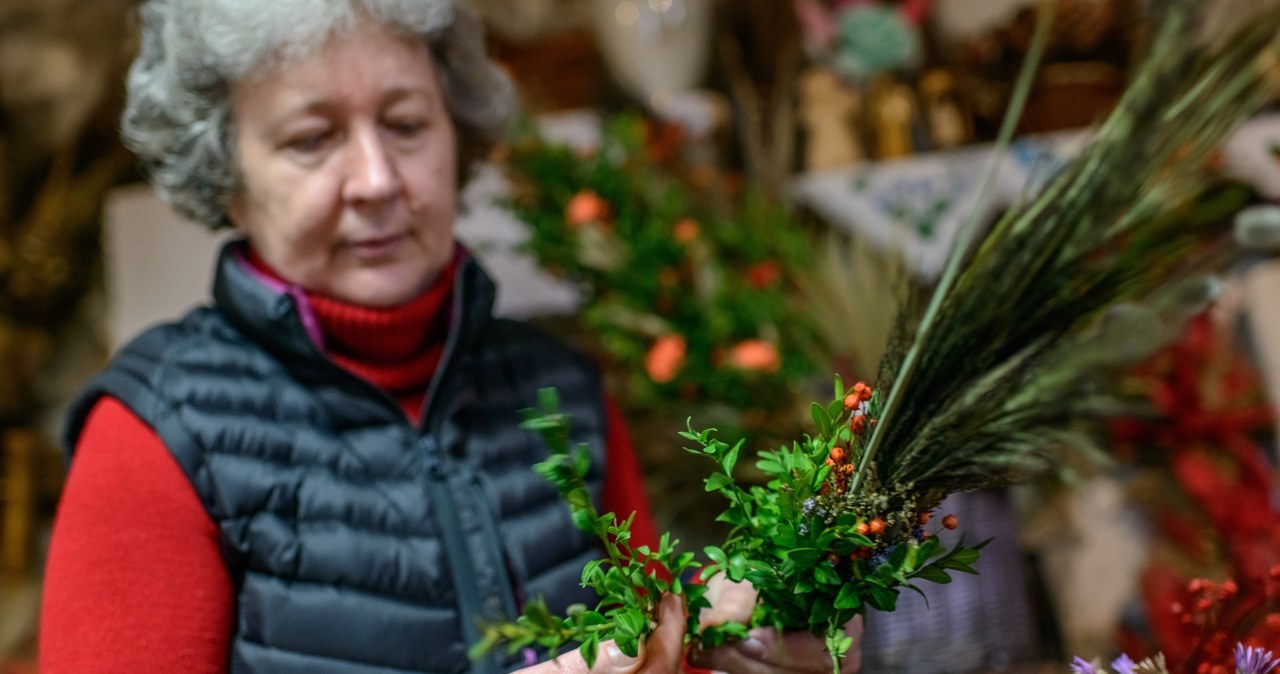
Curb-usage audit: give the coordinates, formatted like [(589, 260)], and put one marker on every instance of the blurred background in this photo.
[(794, 170)]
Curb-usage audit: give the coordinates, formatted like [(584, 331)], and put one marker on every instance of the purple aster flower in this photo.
[(1254, 660), (1082, 666), (1123, 664)]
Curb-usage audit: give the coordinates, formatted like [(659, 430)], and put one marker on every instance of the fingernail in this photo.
[(751, 646), (621, 661)]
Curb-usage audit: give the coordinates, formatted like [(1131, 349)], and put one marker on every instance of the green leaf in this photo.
[(820, 419), (805, 556), (823, 574), (770, 467), (584, 521), (933, 574), (630, 623), (848, 597), (717, 481), (731, 457), (716, 555)]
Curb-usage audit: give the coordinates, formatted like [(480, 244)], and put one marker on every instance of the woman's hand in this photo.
[(660, 654), (765, 650)]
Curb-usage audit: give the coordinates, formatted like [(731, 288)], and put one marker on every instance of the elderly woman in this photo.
[(323, 471)]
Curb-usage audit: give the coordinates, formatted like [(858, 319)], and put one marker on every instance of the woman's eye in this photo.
[(309, 143), (407, 129)]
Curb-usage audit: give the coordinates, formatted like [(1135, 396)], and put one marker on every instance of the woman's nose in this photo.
[(372, 174)]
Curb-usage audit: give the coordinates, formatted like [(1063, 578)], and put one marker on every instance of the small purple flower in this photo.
[(1254, 660), (1123, 664), (918, 533), (1081, 666), (806, 508), (530, 656)]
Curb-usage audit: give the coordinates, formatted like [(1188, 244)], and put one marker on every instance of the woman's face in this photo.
[(347, 162)]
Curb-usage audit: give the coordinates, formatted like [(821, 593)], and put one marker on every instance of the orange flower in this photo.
[(755, 354), (585, 207), (665, 358), (685, 230)]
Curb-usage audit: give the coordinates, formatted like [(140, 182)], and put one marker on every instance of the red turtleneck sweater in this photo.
[(135, 580)]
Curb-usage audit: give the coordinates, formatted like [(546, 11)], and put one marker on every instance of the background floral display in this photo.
[(1214, 576), (691, 296)]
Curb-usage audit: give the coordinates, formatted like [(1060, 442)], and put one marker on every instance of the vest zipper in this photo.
[(470, 604), (470, 607), (493, 540)]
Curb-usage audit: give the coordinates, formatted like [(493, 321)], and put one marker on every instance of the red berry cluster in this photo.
[(1223, 615)]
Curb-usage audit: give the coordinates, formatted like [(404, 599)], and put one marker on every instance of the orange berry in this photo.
[(833, 558), (847, 469), (858, 424), (923, 518), (950, 521), (851, 401), (685, 230), (837, 454), (1227, 588), (876, 526), (862, 390), (862, 528), (585, 207), (1203, 605), (830, 461)]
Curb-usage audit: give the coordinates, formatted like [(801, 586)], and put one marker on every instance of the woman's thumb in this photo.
[(659, 654)]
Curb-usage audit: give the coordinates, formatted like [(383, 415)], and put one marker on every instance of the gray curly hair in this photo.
[(177, 115)]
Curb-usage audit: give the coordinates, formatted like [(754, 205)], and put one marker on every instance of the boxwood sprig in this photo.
[(629, 581)]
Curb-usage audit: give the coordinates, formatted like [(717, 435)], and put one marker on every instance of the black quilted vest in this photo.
[(358, 543)]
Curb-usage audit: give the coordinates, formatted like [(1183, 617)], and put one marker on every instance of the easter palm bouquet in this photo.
[(992, 378)]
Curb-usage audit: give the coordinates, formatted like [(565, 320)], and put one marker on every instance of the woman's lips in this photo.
[(376, 247)]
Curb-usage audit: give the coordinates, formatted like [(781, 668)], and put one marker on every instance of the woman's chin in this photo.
[(379, 289)]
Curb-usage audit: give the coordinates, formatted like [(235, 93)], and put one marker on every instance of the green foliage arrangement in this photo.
[(819, 551), (1005, 369)]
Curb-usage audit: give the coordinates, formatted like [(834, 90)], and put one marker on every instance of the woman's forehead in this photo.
[(370, 66)]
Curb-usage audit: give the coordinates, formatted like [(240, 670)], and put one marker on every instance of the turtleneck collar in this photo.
[(397, 349)]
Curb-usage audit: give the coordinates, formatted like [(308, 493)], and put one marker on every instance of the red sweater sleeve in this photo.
[(135, 580), (624, 490)]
